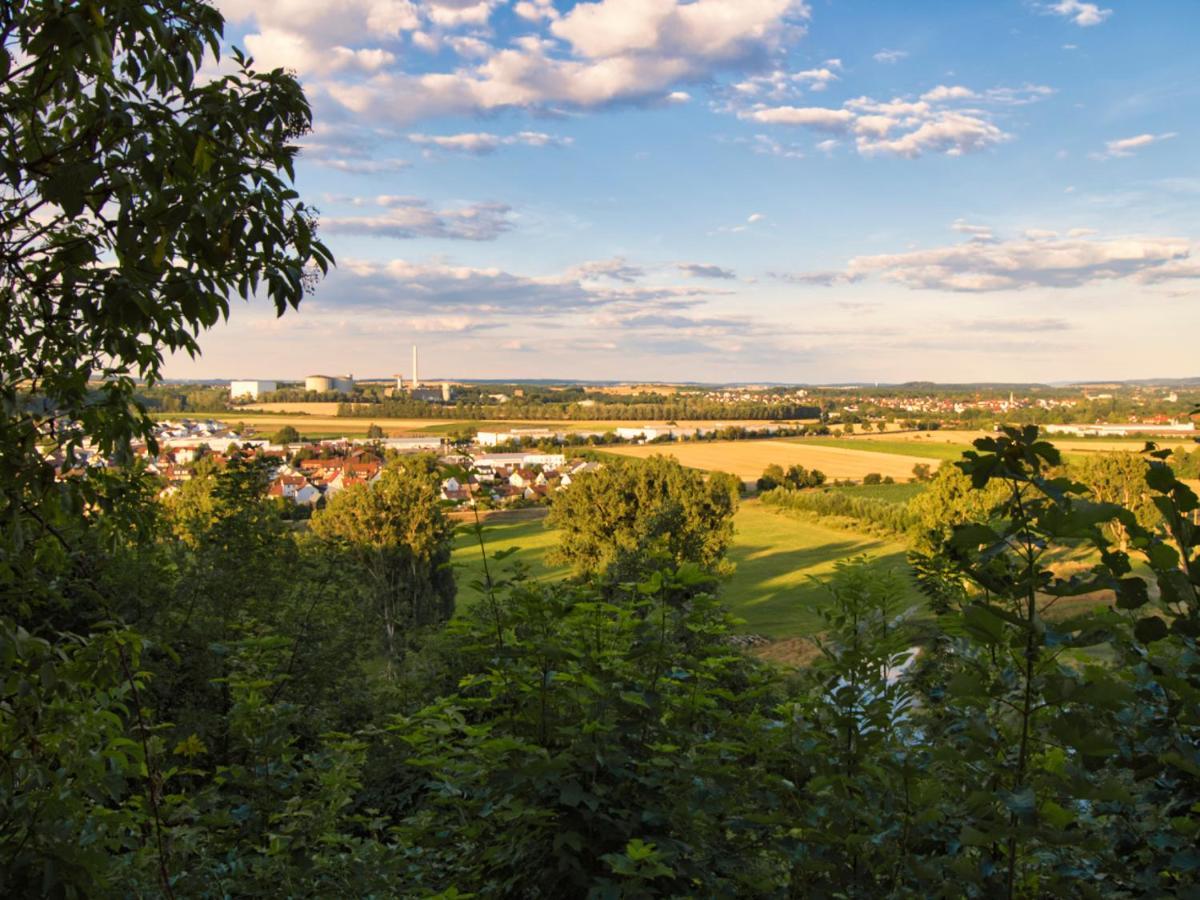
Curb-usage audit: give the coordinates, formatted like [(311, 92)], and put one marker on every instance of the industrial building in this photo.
[(328, 384), (252, 389)]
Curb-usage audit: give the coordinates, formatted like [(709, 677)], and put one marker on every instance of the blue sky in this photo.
[(738, 190)]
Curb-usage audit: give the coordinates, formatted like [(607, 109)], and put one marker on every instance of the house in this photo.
[(296, 488)]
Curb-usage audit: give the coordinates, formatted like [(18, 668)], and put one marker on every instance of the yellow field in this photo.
[(299, 407), (747, 459), (1066, 444)]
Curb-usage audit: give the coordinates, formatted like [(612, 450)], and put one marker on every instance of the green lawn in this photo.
[(781, 560), (930, 450)]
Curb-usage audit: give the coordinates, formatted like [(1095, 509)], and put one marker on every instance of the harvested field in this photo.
[(747, 459)]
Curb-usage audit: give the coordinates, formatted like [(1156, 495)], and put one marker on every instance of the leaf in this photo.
[(982, 624), (1150, 629)]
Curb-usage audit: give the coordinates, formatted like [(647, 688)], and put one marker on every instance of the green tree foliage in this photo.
[(1119, 478), (375, 432), (286, 435), (581, 757), (771, 478), (397, 532), (798, 478), (625, 519)]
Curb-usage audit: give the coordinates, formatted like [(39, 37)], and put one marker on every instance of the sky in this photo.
[(737, 190)]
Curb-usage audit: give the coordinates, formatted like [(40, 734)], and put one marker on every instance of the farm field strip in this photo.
[(747, 459)]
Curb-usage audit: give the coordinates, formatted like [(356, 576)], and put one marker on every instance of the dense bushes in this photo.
[(868, 512)]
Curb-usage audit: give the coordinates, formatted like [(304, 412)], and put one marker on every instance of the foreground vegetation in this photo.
[(200, 701)]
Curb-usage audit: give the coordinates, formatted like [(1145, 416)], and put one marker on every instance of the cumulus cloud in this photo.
[(780, 83), (704, 270), (482, 142), (610, 51), (934, 123), (411, 217), (1079, 12), (1041, 260), (536, 10), (1130, 145)]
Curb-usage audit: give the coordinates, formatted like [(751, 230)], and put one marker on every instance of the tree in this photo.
[(396, 530), (629, 518), (771, 478), (1119, 478), (873, 478), (922, 472), (798, 477), (137, 200), (374, 432), (286, 435)]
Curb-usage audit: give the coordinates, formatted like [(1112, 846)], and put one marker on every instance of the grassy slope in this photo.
[(777, 557)]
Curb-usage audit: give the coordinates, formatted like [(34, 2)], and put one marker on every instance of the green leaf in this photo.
[(1150, 629)]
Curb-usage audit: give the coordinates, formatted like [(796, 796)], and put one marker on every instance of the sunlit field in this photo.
[(747, 459), (781, 561)]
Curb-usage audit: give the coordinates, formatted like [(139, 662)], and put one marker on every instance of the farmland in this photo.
[(747, 459), (780, 560)]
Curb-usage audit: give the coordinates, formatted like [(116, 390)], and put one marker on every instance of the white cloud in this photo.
[(1082, 14), (904, 127), (942, 92), (890, 56), (1039, 259), (755, 217), (616, 51), (977, 232), (482, 142), (537, 10), (1128, 146), (810, 116), (411, 217)]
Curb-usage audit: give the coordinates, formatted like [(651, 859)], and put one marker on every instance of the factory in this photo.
[(430, 394), (329, 384), (251, 389)]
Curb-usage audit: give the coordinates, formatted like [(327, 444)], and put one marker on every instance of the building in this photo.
[(251, 389), (329, 384)]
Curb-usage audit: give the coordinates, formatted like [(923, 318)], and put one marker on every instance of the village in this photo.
[(307, 473)]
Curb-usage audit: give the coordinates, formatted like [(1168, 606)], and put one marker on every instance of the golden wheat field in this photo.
[(747, 459), (1066, 444)]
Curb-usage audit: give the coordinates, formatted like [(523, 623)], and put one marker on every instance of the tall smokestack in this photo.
[(416, 380)]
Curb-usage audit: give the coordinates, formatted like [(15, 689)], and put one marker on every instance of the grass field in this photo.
[(780, 560), (747, 459)]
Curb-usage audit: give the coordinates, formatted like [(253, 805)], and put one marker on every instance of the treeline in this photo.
[(514, 409)]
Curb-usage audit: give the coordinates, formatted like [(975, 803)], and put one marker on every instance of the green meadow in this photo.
[(782, 561)]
